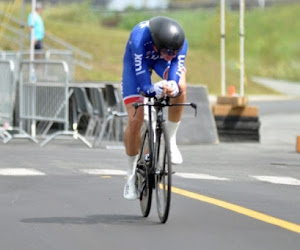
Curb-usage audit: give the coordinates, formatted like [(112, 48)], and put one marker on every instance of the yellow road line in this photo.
[(239, 209), (105, 176)]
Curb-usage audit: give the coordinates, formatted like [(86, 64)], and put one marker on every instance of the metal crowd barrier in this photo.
[(7, 90), (56, 55), (64, 55), (7, 102), (44, 96), (14, 57), (50, 54)]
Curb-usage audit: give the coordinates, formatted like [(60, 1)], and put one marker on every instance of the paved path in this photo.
[(284, 87)]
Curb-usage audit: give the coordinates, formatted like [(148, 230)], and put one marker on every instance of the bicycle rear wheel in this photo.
[(144, 182), (163, 173)]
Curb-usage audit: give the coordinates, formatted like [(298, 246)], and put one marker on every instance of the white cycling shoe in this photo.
[(130, 189), (176, 158)]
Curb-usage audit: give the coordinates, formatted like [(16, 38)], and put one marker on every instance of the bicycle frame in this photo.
[(158, 104), (154, 166)]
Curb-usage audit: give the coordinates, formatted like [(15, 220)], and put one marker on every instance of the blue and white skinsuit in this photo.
[(139, 60)]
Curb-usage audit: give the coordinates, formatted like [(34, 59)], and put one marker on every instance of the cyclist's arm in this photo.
[(143, 75), (177, 64)]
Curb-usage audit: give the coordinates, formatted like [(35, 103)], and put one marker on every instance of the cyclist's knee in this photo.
[(135, 117), (181, 96), (135, 125)]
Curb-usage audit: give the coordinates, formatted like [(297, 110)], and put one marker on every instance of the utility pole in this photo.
[(22, 26), (223, 74), (261, 4), (242, 56)]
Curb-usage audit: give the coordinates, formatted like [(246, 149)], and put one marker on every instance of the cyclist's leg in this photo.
[(175, 114), (132, 140), (132, 135)]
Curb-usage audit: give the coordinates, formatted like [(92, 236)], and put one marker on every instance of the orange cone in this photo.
[(231, 90), (298, 144)]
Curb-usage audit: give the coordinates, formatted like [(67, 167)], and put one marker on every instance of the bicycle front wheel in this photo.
[(144, 182), (163, 173)]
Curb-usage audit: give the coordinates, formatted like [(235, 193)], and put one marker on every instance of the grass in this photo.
[(271, 42)]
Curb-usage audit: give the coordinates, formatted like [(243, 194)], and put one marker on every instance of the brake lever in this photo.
[(194, 106)]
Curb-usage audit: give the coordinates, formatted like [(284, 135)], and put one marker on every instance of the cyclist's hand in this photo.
[(173, 89), (159, 89)]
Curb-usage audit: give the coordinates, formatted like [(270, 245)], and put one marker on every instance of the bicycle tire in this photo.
[(163, 173), (143, 180)]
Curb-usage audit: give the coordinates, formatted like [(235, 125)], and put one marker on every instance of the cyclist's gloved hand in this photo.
[(159, 89), (173, 88)]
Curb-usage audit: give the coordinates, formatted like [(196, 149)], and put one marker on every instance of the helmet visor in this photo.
[(169, 52)]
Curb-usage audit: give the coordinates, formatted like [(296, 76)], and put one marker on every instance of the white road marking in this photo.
[(200, 176), (285, 180), (20, 172), (103, 171), (278, 179)]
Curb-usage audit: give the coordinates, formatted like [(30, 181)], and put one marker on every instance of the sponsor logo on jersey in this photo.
[(138, 63), (180, 64)]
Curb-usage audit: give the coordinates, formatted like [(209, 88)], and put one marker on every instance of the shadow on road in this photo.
[(110, 219)]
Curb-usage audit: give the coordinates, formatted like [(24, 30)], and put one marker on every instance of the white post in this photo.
[(242, 65), (32, 31), (22, 27), (223, 75), (261, 4), (32, 72)]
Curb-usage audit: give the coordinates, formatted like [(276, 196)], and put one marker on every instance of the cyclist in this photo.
[(157, 44)]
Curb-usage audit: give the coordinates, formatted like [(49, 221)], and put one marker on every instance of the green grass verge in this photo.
[(271, 42)]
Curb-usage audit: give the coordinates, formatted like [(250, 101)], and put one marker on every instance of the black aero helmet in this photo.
[(166, 33)]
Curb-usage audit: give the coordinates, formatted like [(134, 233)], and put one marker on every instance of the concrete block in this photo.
[(202, 128)]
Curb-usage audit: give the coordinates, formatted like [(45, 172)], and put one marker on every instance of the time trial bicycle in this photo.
[(154, 168)]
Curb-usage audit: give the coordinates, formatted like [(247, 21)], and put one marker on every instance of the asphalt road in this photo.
[(226, 196)]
